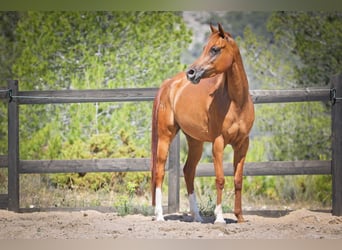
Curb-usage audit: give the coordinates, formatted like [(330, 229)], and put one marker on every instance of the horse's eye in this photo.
[(215, 50)]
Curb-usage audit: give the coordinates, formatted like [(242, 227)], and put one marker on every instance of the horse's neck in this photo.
[(237, 82)]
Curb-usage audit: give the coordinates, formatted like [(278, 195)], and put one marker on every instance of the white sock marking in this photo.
[(194, 208), (219, 214), (158, 210)]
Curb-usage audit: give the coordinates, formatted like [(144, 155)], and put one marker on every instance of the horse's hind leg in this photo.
[(239, 160), (162, 153), (195, 149)]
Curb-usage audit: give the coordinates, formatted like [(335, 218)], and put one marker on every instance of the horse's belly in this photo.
[(194, 127)]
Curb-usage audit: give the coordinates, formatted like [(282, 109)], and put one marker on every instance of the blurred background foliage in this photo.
[(99, 50)]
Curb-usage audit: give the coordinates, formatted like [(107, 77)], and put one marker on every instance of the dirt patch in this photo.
[(299, 224)]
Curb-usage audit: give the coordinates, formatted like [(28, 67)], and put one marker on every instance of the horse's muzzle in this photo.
[(194, 75)]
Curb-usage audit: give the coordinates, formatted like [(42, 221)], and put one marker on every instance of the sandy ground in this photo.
[(90, 224)]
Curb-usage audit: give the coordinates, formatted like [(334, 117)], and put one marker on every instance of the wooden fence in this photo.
[(17, 166)]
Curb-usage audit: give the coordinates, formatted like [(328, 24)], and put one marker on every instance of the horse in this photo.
[(209, 102)]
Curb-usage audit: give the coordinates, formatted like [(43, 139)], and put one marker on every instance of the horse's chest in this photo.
[(231, 131), (234, 126)]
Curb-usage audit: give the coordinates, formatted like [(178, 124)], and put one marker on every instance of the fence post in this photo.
[(13, 148), (174, 175), (336, 163)]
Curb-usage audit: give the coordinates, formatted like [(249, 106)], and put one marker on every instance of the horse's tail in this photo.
[(154, 145)]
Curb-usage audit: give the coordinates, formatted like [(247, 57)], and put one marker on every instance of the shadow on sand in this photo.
[(211, 219), (188, 218)]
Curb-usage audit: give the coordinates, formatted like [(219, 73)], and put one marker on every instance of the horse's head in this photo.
[(216, 58)]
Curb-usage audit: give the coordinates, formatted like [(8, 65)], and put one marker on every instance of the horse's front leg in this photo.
[(218, 147), (239, 160)]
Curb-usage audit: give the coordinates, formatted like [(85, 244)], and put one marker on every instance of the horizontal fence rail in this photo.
[(148, 94), (270, 168), (81, 96), (81, 166), (295, 95), (143, 165)]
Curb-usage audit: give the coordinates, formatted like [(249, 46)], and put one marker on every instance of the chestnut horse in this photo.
[(210, 102)]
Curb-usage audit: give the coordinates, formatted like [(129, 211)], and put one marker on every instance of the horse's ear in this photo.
[(221, 31), (213, 29)]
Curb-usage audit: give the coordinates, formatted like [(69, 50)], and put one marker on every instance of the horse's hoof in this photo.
[(198, 219), (220, 221), (158, 218), (240, 219)]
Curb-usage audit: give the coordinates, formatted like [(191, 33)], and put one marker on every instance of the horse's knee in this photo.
[(238, 183), (220, 183), (186, 171)]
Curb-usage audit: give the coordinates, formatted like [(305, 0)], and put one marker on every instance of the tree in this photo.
[(60, 45), (9, 52), (88, 50), (92, 50), (313, 36), (8, 22), (304, 51), (235, 22), (277, 63)]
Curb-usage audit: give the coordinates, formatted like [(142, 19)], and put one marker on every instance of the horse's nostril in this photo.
[(193, 75), (190, 72)]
